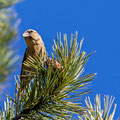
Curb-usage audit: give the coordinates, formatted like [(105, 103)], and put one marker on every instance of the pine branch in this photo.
[(96, 112), (7, 3), (8, 31), (56, 87)]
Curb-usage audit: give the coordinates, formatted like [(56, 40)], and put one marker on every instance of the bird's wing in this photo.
[(23, 78), (24, 59)]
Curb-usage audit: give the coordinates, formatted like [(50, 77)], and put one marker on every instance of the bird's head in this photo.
[(32, 37)]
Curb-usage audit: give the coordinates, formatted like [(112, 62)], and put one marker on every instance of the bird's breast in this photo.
[(37, 50)]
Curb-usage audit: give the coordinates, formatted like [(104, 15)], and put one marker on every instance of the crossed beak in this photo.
[(26, 34)]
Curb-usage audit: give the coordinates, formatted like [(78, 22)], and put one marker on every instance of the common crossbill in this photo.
[(35, 47)]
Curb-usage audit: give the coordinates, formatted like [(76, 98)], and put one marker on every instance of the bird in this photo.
[(35, 47)]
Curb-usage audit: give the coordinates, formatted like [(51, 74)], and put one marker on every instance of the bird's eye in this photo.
[(30, 31)]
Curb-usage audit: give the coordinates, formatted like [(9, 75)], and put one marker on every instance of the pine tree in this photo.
[(52, 93), (56, 93), (8, 31)]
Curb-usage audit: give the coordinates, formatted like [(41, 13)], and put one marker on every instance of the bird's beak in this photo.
[(26, 34)]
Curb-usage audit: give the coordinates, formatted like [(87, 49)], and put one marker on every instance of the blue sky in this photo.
[(98, 21)]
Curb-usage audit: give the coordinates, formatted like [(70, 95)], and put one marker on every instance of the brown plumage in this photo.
[(35, 47)]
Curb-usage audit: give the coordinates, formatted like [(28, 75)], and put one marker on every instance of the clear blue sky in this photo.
[(98, 21)]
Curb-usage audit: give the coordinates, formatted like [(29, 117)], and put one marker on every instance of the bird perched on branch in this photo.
[(35, 47)]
